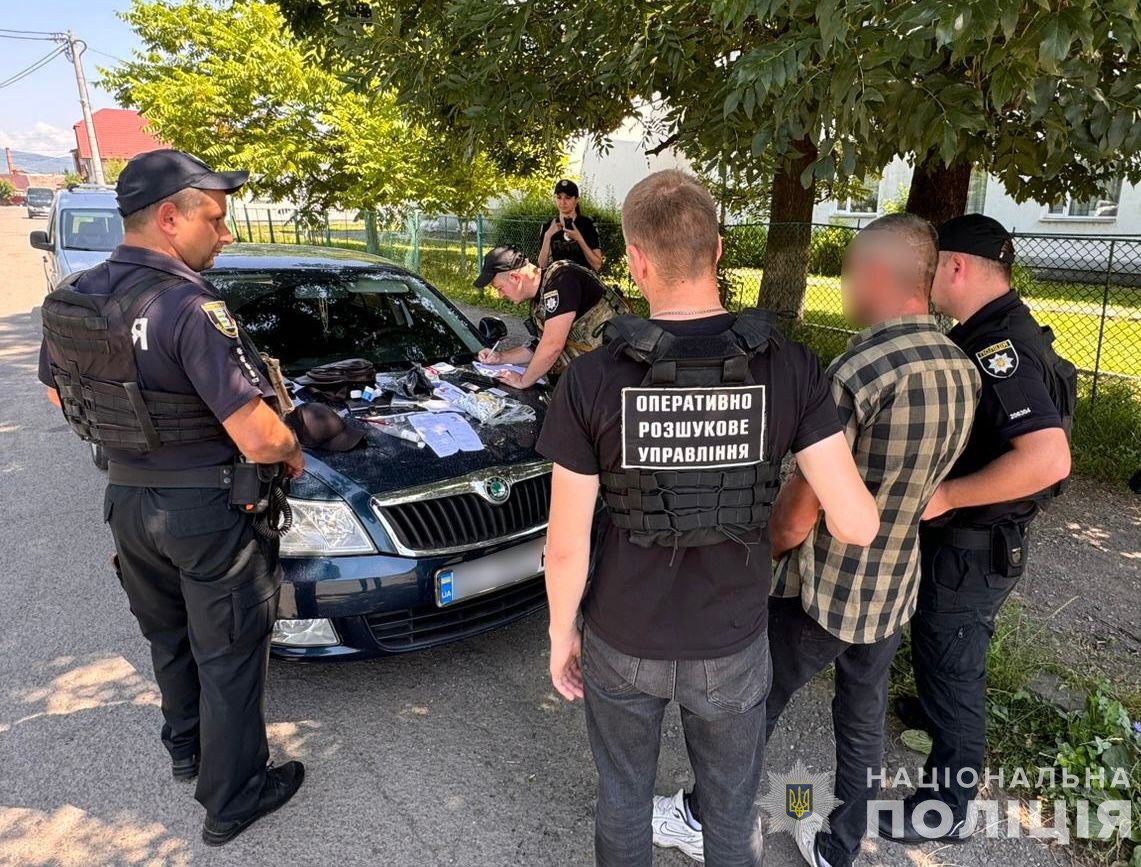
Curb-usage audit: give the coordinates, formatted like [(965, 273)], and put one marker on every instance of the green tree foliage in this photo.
[(7, 191), (232, 84), (1043, 94)]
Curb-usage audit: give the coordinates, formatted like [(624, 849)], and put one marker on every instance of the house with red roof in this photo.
[(121, 134), (18, 179)]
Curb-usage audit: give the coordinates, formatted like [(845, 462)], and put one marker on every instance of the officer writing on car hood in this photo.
[(569, 305), (973, 545), (145, 360)]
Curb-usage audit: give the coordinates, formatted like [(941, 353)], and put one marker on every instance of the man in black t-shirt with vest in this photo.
[(682, 423)]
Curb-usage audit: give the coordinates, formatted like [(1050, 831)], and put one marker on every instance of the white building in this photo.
[(610, 174)]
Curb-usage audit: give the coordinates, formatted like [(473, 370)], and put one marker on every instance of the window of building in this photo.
[(976, 192), (1103, 206), (864, 198)]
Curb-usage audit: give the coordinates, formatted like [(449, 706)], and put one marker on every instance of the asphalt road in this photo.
[(458, 756)]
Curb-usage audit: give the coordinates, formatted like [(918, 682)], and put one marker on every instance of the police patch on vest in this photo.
[(1000, 359), (551, 301), (220, 318), (693, 428)]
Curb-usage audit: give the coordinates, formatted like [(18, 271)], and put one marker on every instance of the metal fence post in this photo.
[(249, 228), (297, 227), (479, 242), (269, 214), (328, 231), (414, 226), (1101, 325)]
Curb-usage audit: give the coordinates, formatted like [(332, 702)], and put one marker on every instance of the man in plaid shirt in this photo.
[(906, 396)]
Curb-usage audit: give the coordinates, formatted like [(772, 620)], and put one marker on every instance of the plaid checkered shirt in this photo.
[(906, 396)]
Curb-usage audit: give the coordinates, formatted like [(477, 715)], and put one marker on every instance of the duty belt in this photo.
[(202, 477), (967, 538)]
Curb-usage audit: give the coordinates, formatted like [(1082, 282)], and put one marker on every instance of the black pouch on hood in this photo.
[(413, 384)]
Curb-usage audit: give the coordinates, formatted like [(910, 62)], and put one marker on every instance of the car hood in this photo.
[(80, 260), (384, 465)]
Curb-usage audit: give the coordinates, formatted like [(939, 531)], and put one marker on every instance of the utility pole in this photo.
[(85, 103)]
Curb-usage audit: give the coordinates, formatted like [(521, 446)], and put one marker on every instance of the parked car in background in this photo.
[(84, 226), (39, 201)]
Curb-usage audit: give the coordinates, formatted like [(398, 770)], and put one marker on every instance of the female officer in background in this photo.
[(569, 236)]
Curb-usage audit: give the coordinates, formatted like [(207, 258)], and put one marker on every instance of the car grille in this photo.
[(413, 629), (465, 520)]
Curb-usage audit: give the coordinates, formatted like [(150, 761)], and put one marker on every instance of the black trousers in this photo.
[(959, 599), (800, 649), (204, 588)]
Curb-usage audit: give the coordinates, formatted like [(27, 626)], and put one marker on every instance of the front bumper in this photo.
[(382, 604)]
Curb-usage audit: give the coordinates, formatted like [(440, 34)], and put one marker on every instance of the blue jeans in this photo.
[(723, 714)]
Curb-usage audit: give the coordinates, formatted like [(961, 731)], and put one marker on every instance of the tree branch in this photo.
[(662, 145)]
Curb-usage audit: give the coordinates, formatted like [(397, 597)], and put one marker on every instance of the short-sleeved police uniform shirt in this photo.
[(568, 290), (183, 345), (695, 603), (1015, 398), (564, 248)]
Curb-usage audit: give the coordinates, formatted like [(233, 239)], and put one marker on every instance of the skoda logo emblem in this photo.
[(497, 489)]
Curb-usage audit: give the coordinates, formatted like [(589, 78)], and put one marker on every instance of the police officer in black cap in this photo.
[(974, 542), (145, 360)]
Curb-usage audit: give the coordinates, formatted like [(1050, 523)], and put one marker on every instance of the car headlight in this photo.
[(324, 527), (305, 633)]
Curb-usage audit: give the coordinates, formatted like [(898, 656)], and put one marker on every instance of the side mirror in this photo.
[(39, 240), (491, 329)]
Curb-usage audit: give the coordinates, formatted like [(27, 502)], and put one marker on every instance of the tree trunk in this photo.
[(939, 192), (790, 236)]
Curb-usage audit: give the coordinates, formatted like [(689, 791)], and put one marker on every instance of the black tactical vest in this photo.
[(90, 350), (696, 462)]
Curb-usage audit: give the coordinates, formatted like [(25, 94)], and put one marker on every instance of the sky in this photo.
[(37, 112)]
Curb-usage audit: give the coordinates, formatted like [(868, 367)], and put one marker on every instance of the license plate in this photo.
[(493, 572)]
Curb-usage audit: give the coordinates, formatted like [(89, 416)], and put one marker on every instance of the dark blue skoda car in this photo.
[(392, 548)]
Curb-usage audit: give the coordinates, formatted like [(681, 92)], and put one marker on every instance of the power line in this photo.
[(48, 38), (29, 32), (39, 64)]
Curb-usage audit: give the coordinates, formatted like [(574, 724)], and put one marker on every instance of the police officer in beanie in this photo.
[(144, 359), (569, 305), (973, 546), (681, 421)]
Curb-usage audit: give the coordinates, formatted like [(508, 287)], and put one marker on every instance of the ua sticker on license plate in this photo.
[(493, 572)]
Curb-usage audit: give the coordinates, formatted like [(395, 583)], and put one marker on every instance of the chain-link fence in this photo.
[(1087, 289)]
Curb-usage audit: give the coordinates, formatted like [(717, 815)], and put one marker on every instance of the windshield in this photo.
[(309, 318), (40, 195), (91, 229)]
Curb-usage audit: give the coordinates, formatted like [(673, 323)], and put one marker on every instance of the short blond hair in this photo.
[(671, 218)]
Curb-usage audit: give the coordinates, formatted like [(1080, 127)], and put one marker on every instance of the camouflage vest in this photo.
[(586, 332)]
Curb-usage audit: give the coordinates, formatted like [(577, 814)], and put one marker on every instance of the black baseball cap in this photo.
[(156, 175), (977, 235), (318, 426), (504, 258), (568, 187)]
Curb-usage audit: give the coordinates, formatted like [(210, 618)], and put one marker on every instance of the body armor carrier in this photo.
[(586, 333), (90, 349), (661, 497)]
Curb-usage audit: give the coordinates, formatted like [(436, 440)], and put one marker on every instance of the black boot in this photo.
[(907, 832), (281, 784), (184, 770)]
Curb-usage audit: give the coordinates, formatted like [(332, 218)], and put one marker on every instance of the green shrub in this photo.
[(1107, 432), (744, 246), (826, 253)]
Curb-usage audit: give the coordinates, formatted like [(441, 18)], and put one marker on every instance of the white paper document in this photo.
[(446, 432), (494, 369)]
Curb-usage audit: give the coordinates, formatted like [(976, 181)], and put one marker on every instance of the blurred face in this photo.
[(860, 280), (199, 234), (566, 204)]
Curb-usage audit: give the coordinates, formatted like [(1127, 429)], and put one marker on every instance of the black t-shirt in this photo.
[(568, 290), (564, 248), (184, 345), (1015, 398), (695, 603)]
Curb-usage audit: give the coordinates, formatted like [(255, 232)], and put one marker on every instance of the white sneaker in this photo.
[(806, 832), (672, 831)]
